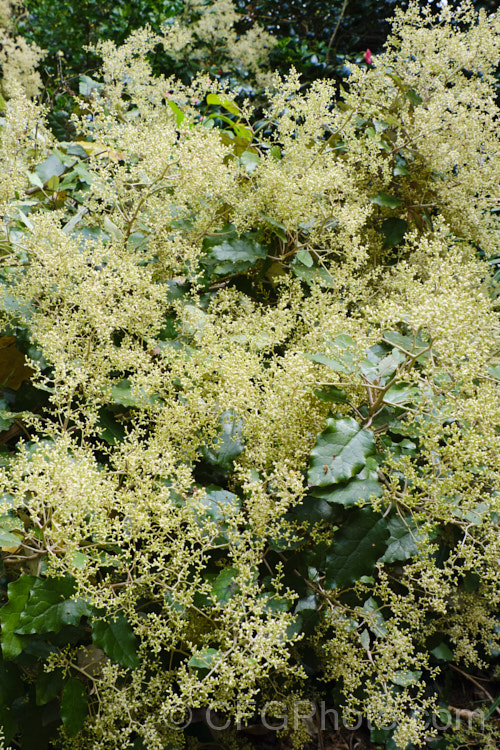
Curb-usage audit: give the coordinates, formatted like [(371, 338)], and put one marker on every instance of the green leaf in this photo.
[(6, 416), (313, 510), (117, 640), (330, 393), (442, 652), (350, 493), (340, 361), (111, 431), (228, 444), (233, 255), (35, 180), (242, 132), (87, 85), (226, 103), (218, 503), (492, 708), (411, 344), (394, 230), (53, 183), (383, 199), (406, 677), (205, 658), (403, 539), (413, 97), (48, 686), (74, 706), (404, 448), (8, 540), (400, 394), (399, 169), (49, 607), (376, 622), (8, 525), (336, 365), (224, 585), (75, 149), (250, 161), (340, 452), (179, 114), (18, 594), (12, 688), (275, 226), (124, 394), (313, 275), (356, 548), (51, 167), (305, 257)]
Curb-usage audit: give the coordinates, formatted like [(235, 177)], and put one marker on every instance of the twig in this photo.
[(477, 684), (332, 38)]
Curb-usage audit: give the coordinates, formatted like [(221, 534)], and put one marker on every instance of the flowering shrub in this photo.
[(18, 58), (250, 400)]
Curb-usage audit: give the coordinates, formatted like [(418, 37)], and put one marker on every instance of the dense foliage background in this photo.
[(250, 425)]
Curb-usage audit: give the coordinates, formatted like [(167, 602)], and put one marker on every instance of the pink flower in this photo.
[(168, 95), (196, 101), (219, 71), (368, 57)]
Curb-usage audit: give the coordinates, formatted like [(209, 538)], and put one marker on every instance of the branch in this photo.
[(332, 38)]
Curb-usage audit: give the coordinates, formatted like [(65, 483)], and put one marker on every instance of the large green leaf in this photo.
[(356, 548), (111, 431), (18, 593), (87, 85), (227, 445), (442, 652), (340, 452), (393, 230), (218, 504), (117, 640), (11, 531), (400, 393), (232, 255), (412, 344), (225, 586), (341, 360), (48, 686), (276, 227), (349, 494), (74, 706), (414, 97), (383, 199), (331, 394), (313, 510), (12, 688), (179, 114), (494, 371), (50, 606), (124, 394), (313, 274), (6, 416), (205, 658), (51, 167), (228, 105), (403, 539), (250, 160)]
